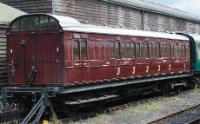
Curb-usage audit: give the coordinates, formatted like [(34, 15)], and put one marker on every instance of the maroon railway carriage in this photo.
[(46, 50), (78, 63)]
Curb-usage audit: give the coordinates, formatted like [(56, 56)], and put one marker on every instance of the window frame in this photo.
[(123, 50), (138, 51), (78, 50), (112, 50), (86, 49), (133, 50), (128, 50)]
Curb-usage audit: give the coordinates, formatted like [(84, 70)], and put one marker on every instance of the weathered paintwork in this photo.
[(48, 60), (105, 69), (51, 52)]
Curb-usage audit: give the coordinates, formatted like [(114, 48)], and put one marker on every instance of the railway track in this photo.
[(117, 107), (190, 115)]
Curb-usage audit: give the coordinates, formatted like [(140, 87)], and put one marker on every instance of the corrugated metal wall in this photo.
[(31, 6), (3, 70), (102, 13), (99, 13)]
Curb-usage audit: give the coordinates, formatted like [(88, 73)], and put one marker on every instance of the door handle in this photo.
[(16, 61)]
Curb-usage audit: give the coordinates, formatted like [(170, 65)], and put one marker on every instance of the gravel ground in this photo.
[(146, 112)]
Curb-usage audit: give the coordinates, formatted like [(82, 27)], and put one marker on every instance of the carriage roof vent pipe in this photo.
[(172, 32), (104, 24), (121, 26), (135, 28), (146, 29), (84, 21)]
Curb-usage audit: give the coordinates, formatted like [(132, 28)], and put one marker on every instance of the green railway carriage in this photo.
[(195, 53)]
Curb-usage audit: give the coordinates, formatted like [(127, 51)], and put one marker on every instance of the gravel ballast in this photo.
[(146, 112)]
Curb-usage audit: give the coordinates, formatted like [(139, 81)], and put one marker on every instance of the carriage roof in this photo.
[(71, 24)]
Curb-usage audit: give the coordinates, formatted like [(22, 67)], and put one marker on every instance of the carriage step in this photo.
[(84, 101)]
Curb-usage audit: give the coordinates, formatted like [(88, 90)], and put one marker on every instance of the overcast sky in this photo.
[(192, 6)]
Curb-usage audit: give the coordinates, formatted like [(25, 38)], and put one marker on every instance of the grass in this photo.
[(54, 120), (196, 90), (141, 109)]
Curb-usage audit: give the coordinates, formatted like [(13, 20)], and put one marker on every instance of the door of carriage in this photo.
[(35, 51), (80, 58)]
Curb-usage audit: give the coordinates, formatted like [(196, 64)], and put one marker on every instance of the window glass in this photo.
[(138, 50), (142, 50), (34, 21), (117, 47), (146, 50), (122, 50), (155, 50), (169, 51), (182, 51), (173, 54), (76, 49), (128, 50), (150, 50), (84, 49), (176, 51), (185, 51), (158, 54), (25, 24), (44, 22), (16, 25), (133, 50), (162, 50), (53, 24), (112, 47), (166, 50)]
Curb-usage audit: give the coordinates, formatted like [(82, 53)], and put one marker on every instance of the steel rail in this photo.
[(177, 119)]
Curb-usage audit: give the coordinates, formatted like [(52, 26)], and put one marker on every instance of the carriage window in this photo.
[(182, 51), (169, 51), (25, 23), (173, 51), (133, 50), (117, 47), (150, 50), (16, 25), (44, 22), (185, 51), (123, 50), (158, 54), (162, 49), (76, 49), (138, 50), (154, 50), (53, 24), (128, 50), (34, 20), (142, 50), (112, 46), (165, 50), (84, 49), (146, 50), (176, 51)]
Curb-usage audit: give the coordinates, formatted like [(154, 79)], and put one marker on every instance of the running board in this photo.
[(85, 101)]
